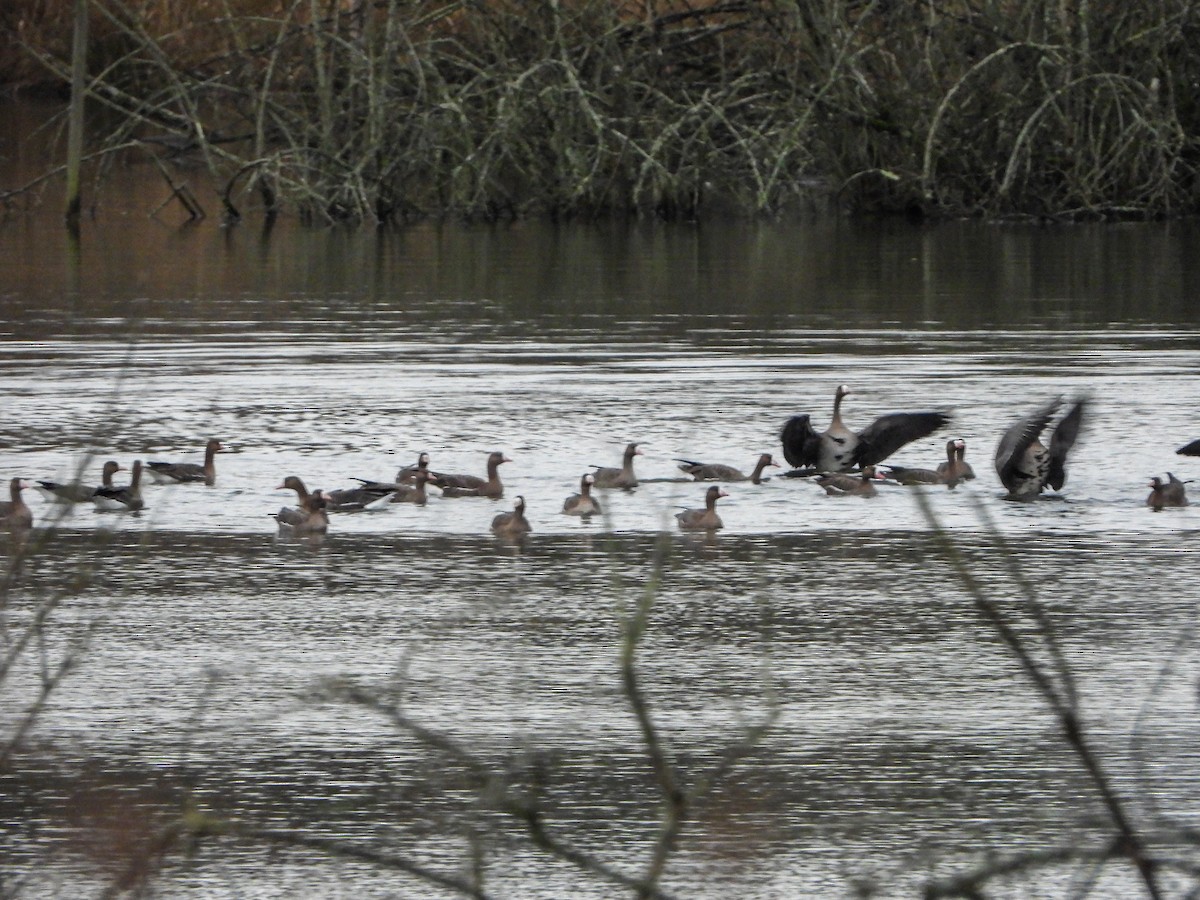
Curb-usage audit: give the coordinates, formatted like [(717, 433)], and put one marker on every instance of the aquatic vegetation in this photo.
[(386, 111)]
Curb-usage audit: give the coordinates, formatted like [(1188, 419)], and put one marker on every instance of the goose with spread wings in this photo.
[(1025, 465), (841, 449)]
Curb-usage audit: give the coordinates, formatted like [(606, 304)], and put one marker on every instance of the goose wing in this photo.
[(801, 444), (1020, 435), (1061, 442), (889, 433)]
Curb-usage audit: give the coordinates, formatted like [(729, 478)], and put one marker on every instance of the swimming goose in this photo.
[(397, 492), (945, 473), (1172, 493), (703, 519), (308, 518), (473, 485), (956, 465), (513, 524), (294, 483), (718, 472), (408, 474), (372, 495), (1024, 464), (583, 503), (415, 492), (838, 449), (75, 492), (1192, 449), (608, 477), (842, 484), (127, 498), (180, 473), (14, 514)]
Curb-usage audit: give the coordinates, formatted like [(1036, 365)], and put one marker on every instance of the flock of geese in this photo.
[(842, 461)]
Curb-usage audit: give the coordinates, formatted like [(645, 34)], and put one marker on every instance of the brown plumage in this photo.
[(703, 519), (309, 517), (719, 472), (583, 503), (512, 525), (947, 473), (608, 477), (14, 514), (408, 474), (847, 485), (956, 465), (1171, 493), (75, 492), (127, 498), (473, 485), (181, 473)]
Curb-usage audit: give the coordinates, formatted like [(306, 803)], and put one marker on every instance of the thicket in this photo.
[(382, 110)]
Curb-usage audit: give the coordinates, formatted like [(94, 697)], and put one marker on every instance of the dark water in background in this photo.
[(907, 745)]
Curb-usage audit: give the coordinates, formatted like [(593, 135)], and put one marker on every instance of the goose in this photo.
[(718, 472), (1024, 464), (14, 514), (838, 449), (371, 495), (307, 518), (1192, 449), (127, 498), (408, 474), (956, 465), (583, 503), (76, 492), (513, 524), (180, 473), (842, 484), (473, 485), (413, 492), (608, 477), (946, 473), (1172, 493), (703, 519)]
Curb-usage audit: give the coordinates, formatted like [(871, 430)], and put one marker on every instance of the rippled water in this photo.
[(908, 744)]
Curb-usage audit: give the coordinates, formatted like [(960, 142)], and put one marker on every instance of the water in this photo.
[(906, 743)]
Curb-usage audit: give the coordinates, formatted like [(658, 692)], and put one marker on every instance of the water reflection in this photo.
[(907, 742)]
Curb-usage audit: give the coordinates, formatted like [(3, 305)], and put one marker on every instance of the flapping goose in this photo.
[(843, 484), (14, 514), (180, 473), (608, 477), (1171, 493), (513, 524), (838, 449), (703, 519), (75, 492), (717, 472), (956, 465), (1024, 464), (473, 485), (583, 503), (127, 498)]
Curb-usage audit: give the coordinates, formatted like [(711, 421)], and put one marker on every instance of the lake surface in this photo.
[(907, 745)]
